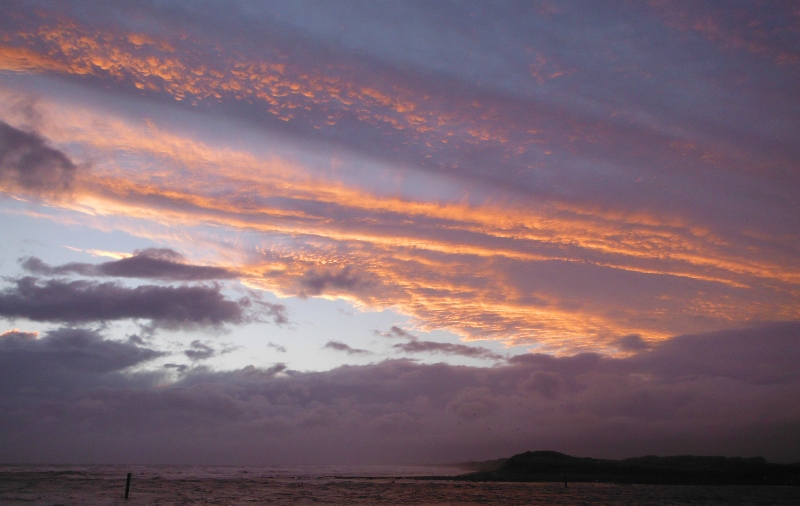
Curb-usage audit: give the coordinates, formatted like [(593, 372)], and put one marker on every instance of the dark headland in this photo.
[(678, 470)]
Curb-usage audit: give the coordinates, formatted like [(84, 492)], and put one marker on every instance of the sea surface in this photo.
[(226, 485)]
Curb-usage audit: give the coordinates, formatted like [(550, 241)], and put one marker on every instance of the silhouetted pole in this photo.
[(128, 486), (565, 483)]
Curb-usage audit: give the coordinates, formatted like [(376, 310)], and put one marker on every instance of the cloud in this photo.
[(65, 359), (83, 301), (476, 180), (317, 281), (277, 312), (396, 331), (199, 351), (152, 263), (340, 346), (474, 402), (542, 205), (277, 347), (758, 354), (27, 164), (547, 384), (632, 342), (178, 367), (78, 348), (16, 334), (673, 399), (414, 345)]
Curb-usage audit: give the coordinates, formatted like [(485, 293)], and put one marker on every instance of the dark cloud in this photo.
[(178, 367), (761, 354), (136, 339), (152, 263), (414, 345), (64, 358), (340, 346), (632, 342), (27, 164), (76, 348), (199, 351), (682, 396), (83, 301), (547, 384), (474, 402)]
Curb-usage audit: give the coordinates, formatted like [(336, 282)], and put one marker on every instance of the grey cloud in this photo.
[(83, 301), (340, 346), (77, 348), (547, 384), (316, 281), (760, 354), (474, 402), (277, 312), (178, 367), (152, 263), (396, 331), (632, 342), (65, 358), (277, 347), (27, 164), (273, 370), (135, 339), (245, 377), (414, 345), (199, 351), (664, 400)]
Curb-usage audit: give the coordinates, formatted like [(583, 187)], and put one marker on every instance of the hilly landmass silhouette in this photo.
[(676, 470)]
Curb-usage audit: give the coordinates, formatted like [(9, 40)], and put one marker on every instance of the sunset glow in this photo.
[(545, 201)]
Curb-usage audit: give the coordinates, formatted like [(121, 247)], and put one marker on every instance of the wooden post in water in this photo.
[(128, 486)]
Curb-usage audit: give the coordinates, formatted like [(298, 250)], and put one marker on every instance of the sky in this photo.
[(376, 232)]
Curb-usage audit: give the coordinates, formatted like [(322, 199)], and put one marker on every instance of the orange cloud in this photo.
[(474, 268)]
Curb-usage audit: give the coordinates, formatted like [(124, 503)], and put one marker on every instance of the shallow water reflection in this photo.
[(181, 485)]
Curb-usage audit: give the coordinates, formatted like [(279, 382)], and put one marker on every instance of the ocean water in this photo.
[(301, 485)]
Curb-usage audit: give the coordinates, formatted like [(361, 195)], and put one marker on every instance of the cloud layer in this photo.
[(683, 396), (610, 188), (525, 201)]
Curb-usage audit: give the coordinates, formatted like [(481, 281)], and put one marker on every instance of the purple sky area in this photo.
[(398, 232)]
